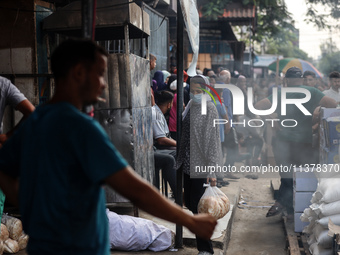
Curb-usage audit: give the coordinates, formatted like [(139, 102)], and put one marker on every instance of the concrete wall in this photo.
[(18, 49)]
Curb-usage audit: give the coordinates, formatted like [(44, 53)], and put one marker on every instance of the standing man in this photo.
[(293, 145), (231, 148), (333, 92), (153, 61), (309, 78), (10, 95), (60, 158)]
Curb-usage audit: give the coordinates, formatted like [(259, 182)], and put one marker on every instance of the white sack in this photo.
[(321, 236), (316, 250), (324, 221), (135, 234), (328, 191), (325, 209)]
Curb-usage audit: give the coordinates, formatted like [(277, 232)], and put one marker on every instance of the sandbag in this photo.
[(14, 226), (23, 241), (328, 191), (4, 235), (308, 215), (11, 246), (321, 236), (315, 249), (325, 209), (135, 234), (324, 221)]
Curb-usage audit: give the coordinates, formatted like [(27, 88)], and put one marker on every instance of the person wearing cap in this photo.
[(293, 145), (333, 92)]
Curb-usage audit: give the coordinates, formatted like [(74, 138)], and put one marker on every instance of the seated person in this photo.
[(165, 152), (161, 134)]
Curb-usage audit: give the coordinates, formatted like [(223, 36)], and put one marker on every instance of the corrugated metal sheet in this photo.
[(237, 10), (159, 38)]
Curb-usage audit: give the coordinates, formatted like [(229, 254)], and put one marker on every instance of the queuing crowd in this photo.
[(241, 142), (58, 196)]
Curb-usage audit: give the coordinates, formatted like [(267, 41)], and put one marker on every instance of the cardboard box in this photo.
[(329, 112), (331, 128), (298, 224), (329, 156), (301, 200), (304, 181)]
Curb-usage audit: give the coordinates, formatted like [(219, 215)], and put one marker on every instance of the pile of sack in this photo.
[(325, 206), (12, 237)]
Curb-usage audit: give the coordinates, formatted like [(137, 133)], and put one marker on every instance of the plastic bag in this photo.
[(214, 202)]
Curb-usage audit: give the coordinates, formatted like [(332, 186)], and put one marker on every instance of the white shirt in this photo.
[(332, 94)]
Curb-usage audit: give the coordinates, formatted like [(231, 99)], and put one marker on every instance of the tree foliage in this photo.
[(275, 25), (330, 60), (321, 19)]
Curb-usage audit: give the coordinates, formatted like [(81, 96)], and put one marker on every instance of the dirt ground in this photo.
[(253, 233)]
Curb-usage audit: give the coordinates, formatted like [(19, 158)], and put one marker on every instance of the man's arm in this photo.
[(328, 102), (147, 198), (26, 108), (263, 104), (164, 141)]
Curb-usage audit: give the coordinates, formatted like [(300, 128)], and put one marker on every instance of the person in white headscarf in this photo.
[(166, 76), (200, 146)]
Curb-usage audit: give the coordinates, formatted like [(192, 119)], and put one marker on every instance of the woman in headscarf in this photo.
[(200, 146), (166, 75), (159, 78)]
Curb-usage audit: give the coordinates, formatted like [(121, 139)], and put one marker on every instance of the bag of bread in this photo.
[(22, 241), (14, 226), (4, 235), (11, 246), (214, 202)]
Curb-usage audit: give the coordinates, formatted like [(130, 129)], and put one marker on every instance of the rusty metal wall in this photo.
[(126, 115)]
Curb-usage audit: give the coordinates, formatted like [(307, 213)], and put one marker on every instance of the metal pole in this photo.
[(86, 18), (179, 193)]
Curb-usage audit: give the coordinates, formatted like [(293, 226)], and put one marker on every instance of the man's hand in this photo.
[(212, 181), (203, 225)]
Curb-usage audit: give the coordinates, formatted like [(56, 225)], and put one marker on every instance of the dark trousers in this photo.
[(232, 154), (165, 160), (254, 146), (286, 154), (193, 191)]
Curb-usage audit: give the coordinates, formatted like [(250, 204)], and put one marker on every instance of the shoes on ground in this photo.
[(231, 176)]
